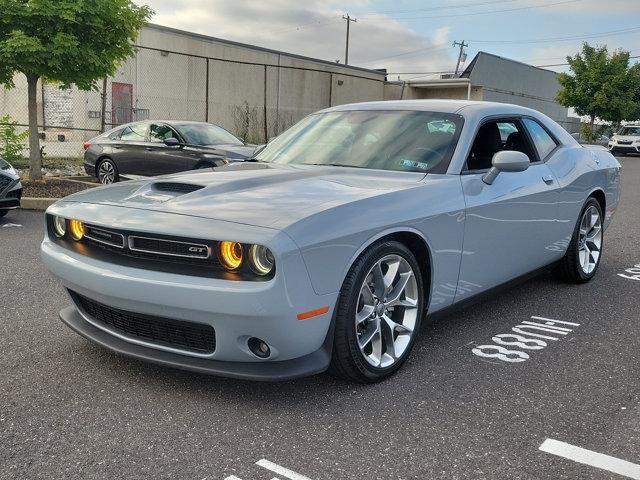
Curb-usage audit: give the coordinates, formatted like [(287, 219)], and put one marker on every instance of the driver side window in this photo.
[(159, 133), (496, 136)]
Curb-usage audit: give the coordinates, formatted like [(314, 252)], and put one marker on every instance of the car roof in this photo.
[(467, 108)]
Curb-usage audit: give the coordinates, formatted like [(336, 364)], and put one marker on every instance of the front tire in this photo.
[(107, 172), (378, 314), (582, 259)]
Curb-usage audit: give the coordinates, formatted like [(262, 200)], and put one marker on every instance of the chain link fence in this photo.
[(255, 101)]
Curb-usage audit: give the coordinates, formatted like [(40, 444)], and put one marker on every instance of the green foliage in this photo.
[(69, 41), (601, 85), (12, 143)]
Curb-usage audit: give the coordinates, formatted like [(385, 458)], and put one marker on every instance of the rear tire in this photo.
[(378, 314), (107, 172), (582, 259)]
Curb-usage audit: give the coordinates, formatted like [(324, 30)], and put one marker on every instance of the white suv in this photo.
[(627, 140)]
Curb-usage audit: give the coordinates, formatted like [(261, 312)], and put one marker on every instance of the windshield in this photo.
[(387, 140), (629, 131), (206, 134)]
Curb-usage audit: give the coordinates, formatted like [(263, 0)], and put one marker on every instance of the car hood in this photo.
[(252, 193), (626, 138), (239, 152)]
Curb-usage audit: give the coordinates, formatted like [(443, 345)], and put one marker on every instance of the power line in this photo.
[(442, 7), (314, 24), (565, 38), (412, 52), (566, 64), (450, 15)]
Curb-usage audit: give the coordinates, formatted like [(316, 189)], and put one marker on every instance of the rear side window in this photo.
[(543, 142), (134, 133)]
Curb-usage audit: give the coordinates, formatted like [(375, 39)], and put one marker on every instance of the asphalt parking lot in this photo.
[(69, 409)]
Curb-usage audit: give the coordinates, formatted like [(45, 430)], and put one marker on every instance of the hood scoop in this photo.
[(174, 187), (160, 192)]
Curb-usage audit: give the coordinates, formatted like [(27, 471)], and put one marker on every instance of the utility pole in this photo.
[(461, 45), (346, 50)]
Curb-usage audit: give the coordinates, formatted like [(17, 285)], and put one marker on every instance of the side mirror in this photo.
[(172, 142), (508, 161)]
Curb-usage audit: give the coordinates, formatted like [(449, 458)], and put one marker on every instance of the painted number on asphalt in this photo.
[(525, 338), (632, 273), (277, 469)]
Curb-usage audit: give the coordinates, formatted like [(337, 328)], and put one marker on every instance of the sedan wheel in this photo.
[(107, 172), (378, 313)]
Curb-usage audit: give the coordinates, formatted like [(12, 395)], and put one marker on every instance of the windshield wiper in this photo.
[(332, 165)]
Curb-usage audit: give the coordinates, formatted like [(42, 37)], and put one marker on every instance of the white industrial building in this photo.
[(493, 78), (252, 91)]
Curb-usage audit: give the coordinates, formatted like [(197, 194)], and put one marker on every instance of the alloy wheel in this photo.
[(106, 172), (387, 311), (590, 240)]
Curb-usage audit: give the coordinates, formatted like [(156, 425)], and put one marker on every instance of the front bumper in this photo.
[(10, 197), (311, 364), (615, 148), (237, 310)]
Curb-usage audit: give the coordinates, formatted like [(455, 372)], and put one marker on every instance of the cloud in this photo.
[(313, 28)]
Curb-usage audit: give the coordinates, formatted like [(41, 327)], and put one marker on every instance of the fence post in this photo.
[(330, 89), (103, 120), (266, 131), (206, 115)]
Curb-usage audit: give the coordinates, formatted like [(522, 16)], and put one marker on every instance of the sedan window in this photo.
[(158, 133), (134, 133), (412, 141), (206, 134)]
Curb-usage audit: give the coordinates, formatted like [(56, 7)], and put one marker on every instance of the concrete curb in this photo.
[(27, 203)]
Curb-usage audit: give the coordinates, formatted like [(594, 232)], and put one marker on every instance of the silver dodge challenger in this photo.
[(329, 249)]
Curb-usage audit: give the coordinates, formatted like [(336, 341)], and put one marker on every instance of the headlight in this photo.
[(230, 254), (76, 229), (261, 259), (59, 226)]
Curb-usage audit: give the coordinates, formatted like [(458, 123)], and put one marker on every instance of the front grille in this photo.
[(14, 194), (625, 142), (181, 335), (106, 237), (176, 187), (172, 248), (4, 182)]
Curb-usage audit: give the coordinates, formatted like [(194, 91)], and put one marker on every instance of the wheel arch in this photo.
[(600, 196), (416, 242), (102, 158)]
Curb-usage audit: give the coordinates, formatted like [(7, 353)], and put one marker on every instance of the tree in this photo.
[(599, 85), (74, 42)]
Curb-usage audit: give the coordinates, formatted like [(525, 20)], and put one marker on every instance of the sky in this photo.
[(413, 37)]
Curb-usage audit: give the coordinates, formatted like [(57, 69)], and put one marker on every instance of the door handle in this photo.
[(149, 149), (548, 179)]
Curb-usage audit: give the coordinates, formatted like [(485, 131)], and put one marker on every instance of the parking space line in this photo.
[(593, 459), (285, 472)]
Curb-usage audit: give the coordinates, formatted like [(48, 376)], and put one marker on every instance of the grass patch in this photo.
[(51, 162)]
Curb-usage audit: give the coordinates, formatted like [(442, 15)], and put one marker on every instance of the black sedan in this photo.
[(153, 148), (10, 188)]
